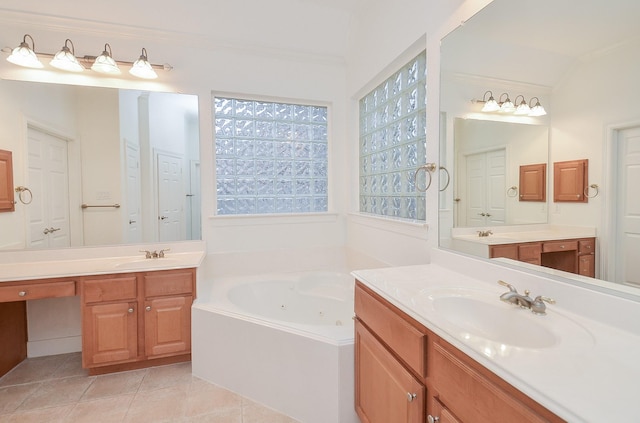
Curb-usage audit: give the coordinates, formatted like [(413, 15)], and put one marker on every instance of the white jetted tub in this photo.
[(285, 340)]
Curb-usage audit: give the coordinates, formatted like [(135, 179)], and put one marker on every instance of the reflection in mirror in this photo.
[(104, 166), (583, 68)]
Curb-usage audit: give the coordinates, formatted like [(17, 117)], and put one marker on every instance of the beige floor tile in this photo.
[(49, 415), (206, 398), (228, 416), (160, 405), (114, 384), (255, 413), (71, 367), (166, 376), (57, 392), (34, 370), (12, 396), (103, 410)]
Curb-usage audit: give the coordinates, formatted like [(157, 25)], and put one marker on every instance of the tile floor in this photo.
[(57, 389)]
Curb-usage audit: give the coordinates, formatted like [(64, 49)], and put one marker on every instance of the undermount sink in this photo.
[(145, 263), (481, 318)]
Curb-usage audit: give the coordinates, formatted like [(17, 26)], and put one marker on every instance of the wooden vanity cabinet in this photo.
[(569, 255), (390, 363), (135, 318), (443, 385)]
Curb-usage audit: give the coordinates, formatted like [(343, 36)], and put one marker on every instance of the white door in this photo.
[(484, 198), (171, 197), (134, 194), (627, 243), (48, 213)]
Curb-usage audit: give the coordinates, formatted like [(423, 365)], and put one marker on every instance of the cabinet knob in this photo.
[(432, 419), (411, 397), (130, 310), (148, 308), (22, 293)]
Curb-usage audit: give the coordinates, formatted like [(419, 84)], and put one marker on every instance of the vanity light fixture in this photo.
[(521, 108), (490, 105), (66, 59), (506, 106), (537, 109), (142, 68), (25, 55), (105, 63)]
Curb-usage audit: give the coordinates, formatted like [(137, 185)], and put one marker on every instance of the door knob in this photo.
[(130, 310), (432, 419), (163, 217), (22, 293), (411, 396), (148, 308)]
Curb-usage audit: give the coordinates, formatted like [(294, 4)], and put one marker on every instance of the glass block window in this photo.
[(270, 157), (393, 144)]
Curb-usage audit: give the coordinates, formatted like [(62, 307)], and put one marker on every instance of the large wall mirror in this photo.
[(580, 60), (99, 166)]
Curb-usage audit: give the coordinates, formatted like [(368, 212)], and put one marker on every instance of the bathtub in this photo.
[(285, 341)]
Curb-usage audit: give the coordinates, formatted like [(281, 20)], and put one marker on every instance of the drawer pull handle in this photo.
[(130, 310), (411, 397), (562, 246), (148, 308), (22, 293)]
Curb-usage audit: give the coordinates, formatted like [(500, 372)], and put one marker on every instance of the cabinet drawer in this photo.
[(168, 283), (587, 246), (529, 252), (109, 289), (554, 246), (21, 292), (473, 397), (404, 339)]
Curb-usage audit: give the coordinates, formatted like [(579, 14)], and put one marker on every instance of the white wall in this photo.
[(584, 105)]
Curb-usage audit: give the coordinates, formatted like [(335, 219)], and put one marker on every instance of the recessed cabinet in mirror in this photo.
[(6, 182), (102, 166)]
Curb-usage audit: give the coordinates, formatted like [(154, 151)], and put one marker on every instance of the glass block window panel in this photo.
[(270, 157), (393, 143)]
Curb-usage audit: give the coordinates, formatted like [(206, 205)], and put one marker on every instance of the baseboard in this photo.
[(54, 346)]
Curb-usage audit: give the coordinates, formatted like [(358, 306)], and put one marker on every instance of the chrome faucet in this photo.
[(154, 254), (484, 233), (537, 305)]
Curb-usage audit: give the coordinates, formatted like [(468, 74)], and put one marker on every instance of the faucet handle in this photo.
[(508, 285), (538, 306), (161, 252), (147, 253)]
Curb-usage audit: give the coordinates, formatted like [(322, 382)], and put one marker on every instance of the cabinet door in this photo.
[(441, 414), (385, 391), (587, 265), (6, 182), (570, 181), (109, 333), (533, 182), (167, 323)]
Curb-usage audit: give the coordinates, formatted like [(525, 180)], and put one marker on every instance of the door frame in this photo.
[(607, 244)]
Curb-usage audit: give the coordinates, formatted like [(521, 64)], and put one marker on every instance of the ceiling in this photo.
[(540, 41)]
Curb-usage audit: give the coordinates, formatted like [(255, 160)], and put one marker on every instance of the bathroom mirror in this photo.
[(99, 166), (582, 67)]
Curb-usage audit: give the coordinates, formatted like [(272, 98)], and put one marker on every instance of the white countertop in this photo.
[(592, 374), (71, 262), (523, 233)]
